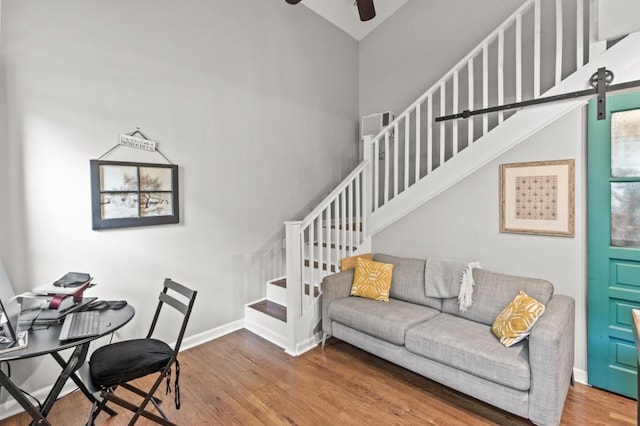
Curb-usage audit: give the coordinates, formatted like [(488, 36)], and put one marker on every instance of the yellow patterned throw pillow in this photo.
[(351, 262), (517, 319), (372, 280)]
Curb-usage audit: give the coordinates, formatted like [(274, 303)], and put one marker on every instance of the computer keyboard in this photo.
[(78, 325)]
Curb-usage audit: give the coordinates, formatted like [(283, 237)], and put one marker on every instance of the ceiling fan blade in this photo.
[(293, 1), (366, 9)]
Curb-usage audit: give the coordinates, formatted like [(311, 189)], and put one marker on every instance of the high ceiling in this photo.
[(344, 14)]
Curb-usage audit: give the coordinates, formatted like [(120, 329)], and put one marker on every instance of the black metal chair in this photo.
[(116, 364)]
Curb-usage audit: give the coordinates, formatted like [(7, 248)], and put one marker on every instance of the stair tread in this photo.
[(272, 309), (282, 282)]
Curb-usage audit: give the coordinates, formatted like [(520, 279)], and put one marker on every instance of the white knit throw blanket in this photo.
[(465, 297)]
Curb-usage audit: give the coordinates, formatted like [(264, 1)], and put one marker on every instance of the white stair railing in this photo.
[(315, 245), (511, 64)]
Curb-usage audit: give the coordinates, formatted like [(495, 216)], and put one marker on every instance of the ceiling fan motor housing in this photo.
[(365, 8)]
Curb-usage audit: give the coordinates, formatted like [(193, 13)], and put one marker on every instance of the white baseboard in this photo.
[(11, 407), (311, 343), (580, 376), (207, 336)]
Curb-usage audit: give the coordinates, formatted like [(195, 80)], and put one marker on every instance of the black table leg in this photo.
[(80, 383), (37, 416), (75, 361)]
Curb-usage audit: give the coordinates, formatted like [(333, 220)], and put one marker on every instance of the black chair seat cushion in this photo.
[(121, 362)]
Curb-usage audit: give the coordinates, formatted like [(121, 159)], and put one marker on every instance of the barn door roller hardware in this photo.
[(599, 81)]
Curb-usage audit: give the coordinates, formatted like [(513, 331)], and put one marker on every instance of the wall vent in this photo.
[(373, 124)]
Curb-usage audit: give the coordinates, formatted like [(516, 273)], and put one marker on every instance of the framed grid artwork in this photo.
[(537, 198), (125, 194)]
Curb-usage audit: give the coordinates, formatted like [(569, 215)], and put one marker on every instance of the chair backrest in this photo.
[(184, 308)]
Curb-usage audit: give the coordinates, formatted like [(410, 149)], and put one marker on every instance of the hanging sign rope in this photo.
[(130, 140)]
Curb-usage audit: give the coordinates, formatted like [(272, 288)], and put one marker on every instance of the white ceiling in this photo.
[(344, 14)]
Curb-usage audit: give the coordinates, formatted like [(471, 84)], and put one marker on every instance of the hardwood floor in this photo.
[(241, 379)]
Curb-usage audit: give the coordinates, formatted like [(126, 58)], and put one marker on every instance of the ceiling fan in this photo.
[(365, 8)]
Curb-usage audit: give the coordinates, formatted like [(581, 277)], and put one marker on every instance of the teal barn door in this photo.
[(613, 243)]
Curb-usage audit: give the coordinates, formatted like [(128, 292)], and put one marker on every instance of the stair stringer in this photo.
[(519, 127)]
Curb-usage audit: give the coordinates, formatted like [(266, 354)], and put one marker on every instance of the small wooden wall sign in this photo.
[(136, 142)]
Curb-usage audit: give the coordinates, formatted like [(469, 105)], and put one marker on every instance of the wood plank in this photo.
[(241, 379)]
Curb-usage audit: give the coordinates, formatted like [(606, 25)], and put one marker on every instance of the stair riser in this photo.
[(277, 294), (265, 326)]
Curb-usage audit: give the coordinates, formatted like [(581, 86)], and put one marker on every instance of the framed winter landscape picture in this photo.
[(537, 198), (125, 194)]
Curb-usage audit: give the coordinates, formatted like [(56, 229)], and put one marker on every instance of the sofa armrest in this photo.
[(551, 356), (336, 286)]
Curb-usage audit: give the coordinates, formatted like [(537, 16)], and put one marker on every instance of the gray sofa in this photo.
[(433, 338)]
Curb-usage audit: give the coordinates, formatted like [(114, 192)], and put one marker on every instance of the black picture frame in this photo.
[(126, 194)]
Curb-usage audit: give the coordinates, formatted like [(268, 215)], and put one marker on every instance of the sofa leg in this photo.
[(324, 338), (573, 379)]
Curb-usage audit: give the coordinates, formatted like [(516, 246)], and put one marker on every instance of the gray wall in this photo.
[(4, 163), (417, 45), (617, 18), (255, 100)]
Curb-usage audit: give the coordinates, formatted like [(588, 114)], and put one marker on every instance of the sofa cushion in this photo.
[(351, 262), (493, 291), (471, 347), (387, 321), (372, 280), (408, 280)]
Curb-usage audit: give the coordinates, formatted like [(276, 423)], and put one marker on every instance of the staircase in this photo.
[(414, 159), (335, 229)]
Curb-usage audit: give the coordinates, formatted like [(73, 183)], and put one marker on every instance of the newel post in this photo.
[(294, 281)]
